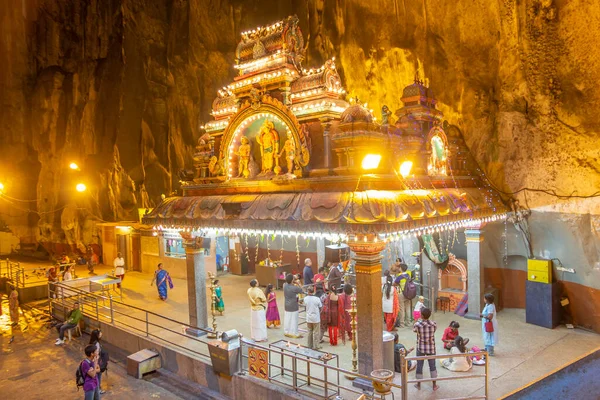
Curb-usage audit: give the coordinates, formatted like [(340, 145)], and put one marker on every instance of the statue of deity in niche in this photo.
[(268, 139), (439, 156), (244, 157), (289, 149), (386, 115), (215, 167)]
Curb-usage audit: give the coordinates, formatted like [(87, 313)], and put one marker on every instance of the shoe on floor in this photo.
[(102, 391), (59, 342)]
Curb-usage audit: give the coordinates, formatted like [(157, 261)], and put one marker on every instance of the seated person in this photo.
[(450, 333), (72, 321), (398, 349), (460, 363)]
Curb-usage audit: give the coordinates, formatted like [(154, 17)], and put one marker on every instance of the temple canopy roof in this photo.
[(370, 211)]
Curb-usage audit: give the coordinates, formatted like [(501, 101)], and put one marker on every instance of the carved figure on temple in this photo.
[(244, 157), (268, 139), (386, 115), (255, 98), (439, 156), (203, 143), (302, 161), (215, 166), (289, 149)]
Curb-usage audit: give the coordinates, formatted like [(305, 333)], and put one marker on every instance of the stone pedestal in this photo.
[(368, 298), (196, 281), (475, 272)]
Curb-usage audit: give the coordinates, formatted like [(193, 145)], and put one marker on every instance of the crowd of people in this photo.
[(326, 300)]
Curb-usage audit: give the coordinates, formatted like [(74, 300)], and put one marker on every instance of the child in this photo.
[(489, 315), (417, 311), (272, 310), (450, 333)]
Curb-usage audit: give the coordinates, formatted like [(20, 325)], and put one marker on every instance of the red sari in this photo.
[(344, 327), (390, 319), (330, 316)]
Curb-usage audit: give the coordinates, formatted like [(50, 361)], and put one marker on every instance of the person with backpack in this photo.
[(406, 292), (87, 373), (103, 356)]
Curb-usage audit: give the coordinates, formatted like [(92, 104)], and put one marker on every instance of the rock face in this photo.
[(122, 86)]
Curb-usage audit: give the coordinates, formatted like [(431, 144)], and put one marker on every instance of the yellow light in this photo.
[(371, 161), (1, 187), (80, 187), (405, 168), (73, 166)]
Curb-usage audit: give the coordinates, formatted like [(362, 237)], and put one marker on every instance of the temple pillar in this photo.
[(196, 282), (430, 276), (475, 283), (326, 144), (320, 252), (368, 298)]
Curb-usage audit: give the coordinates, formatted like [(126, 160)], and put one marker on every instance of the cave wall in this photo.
[(122, 86)]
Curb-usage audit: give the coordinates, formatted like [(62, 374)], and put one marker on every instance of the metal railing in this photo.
[(105, 309), (305, 381)]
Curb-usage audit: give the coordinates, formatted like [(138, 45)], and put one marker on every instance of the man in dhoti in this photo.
[(258, 320), (290, 294)]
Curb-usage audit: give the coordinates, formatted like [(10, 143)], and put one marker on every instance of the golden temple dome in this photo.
[(356, 113)]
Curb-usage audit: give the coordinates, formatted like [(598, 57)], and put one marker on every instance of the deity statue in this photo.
[(385, 115), (289, 149), (215, 167), (268, 139), (244, 157)]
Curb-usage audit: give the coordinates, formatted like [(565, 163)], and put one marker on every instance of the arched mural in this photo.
[(437, 147), (264, 140)]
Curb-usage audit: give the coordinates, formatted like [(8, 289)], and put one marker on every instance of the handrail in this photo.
[(66, 293)]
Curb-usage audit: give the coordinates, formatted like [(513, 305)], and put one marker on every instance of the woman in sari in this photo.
[(344, 306), (219, 303), (162, 278), (330, 316), (390, 304)]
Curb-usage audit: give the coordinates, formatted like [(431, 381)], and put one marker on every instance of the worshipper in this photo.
[(450, 333), (72, 321), (405, 304), (390, 304), (460, 363), (330, 315), (273, 319), (398, 350), (307, 273), (219, 303), (418, 307), (320, 276), (319, 280), (258, 320), (13, 306), (335, 277), (313, 318), (290, 295), (119, 265), (425, 330), (90, 368), (103, 356), (490, 338), (345, 301), (395, 269), (162, 278), (68, 274), (384, 277)]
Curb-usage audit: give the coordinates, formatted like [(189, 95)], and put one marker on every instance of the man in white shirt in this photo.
[(313, 318), (119, 265)]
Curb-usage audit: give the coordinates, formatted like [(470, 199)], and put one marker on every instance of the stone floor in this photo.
[(32, 367), (525, 353)]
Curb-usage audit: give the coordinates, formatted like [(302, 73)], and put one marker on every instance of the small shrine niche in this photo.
[(453, 281), (437, 149)]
